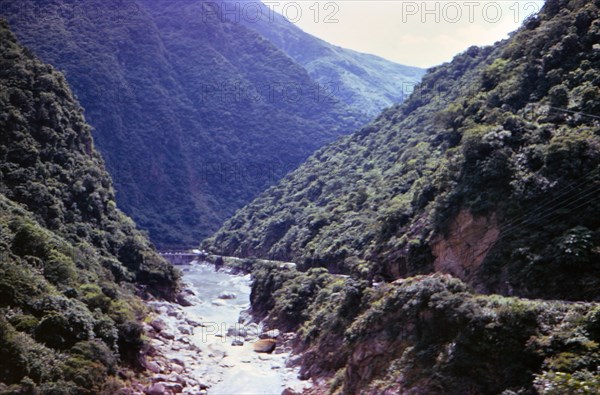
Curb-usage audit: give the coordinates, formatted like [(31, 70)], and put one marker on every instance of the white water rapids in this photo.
[(201, 340)]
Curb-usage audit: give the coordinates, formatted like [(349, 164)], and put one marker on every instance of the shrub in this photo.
[(64, 322), (559, 383), (30, 240), (24, 322), (59, 269), (94, 298), (559, 96)]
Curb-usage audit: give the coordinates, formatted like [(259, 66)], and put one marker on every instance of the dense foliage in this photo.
[(430, 334), (366, 83), (508, 136), (194, 116), (71, 264)]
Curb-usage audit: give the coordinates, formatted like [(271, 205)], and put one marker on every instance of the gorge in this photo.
[(450, 245)]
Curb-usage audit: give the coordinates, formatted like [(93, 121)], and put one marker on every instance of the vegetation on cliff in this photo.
[(484, 181), (429, 334), (71, 264), (506, 137)]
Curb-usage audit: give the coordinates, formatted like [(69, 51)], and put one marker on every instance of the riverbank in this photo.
[(206, 343)]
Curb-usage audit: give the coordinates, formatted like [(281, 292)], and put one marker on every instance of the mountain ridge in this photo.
[(365, 82), (178, 105)]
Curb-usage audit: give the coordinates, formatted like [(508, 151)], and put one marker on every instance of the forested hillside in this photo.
[(71, 264), (485, 182), (488, 172), (366, 83), (194, 116)]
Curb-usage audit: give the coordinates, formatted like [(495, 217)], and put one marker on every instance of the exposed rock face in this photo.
[(370, 358), (463, 249)]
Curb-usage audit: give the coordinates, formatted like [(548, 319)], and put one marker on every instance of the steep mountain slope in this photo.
[(365, 82), (194, 117), (488, 172), (70, 262)]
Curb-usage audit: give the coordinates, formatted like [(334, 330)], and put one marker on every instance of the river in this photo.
[(216, 350)]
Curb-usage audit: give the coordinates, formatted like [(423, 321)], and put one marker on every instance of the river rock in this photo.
[(159, 377), (153, 367), (227, 295), (167, 335), (245, 317), (147, 328), (186, 329), (175, 314), (194, 322), (175, 388), (217, 302), (176, 378), (272, 334), (252, 329), (156, 389), (264, 346), (158, 325), (237, 343), (188, 291), (157, 342), (183, 300), (294, 360), (178, 361), (236, 331)]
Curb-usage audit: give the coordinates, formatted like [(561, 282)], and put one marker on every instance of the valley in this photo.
[(194, 115), (194, 203)]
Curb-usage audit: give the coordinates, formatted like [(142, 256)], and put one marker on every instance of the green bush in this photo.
[(59, 269), (559, 383), (94, 298), (24, 322)]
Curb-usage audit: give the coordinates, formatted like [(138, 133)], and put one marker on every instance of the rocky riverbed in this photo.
[(208, 344)]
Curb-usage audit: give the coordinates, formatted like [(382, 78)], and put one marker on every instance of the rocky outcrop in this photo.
[(461, 251)]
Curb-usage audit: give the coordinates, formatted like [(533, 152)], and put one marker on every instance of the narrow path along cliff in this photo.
[(206, 344)]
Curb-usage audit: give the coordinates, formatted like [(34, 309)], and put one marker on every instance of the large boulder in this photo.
[(264, 346)]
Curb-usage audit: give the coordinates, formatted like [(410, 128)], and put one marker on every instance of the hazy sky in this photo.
[(416, 33)]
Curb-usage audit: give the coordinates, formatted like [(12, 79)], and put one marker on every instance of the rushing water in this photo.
[(227, 368)]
